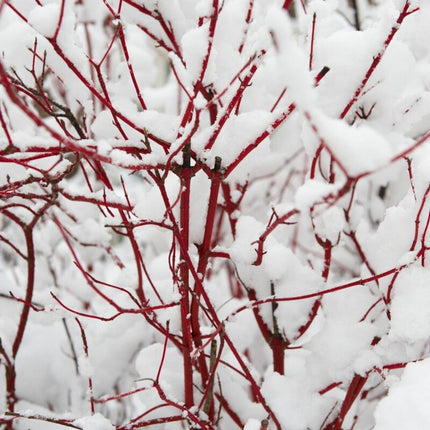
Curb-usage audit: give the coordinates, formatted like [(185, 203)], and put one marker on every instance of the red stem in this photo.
[(31, 260), (377, 58), (270, 228), (354, 390), (90, 379), (130, 67), (287, 4), (184, 281), (311, 53)]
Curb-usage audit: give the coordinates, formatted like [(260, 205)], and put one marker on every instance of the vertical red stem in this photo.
[(28, 233), (311, 53), (184, 281), (377, 58)]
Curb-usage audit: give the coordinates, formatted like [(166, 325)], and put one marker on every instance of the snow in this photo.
[(92, 231), (41, 367), (335, 335), (385, 251), (404, 405), (150, 206), (330, 224), (147, 366), (242, 250), (335, 51), (358, 149), (102, 126), (45, 18), (198, 207), (252, 424), (312, 192), (194, 48), (228, 37), (410, 306), (291, 399), (23, 35), (290, 278), (94, 422), (238, 132)]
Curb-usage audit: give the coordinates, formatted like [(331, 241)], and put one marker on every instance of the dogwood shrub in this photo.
[(214, 214)]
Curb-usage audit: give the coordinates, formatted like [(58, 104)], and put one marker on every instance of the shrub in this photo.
[(214, 214)]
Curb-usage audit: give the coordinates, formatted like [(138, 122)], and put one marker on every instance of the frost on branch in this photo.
[(214, 214)]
